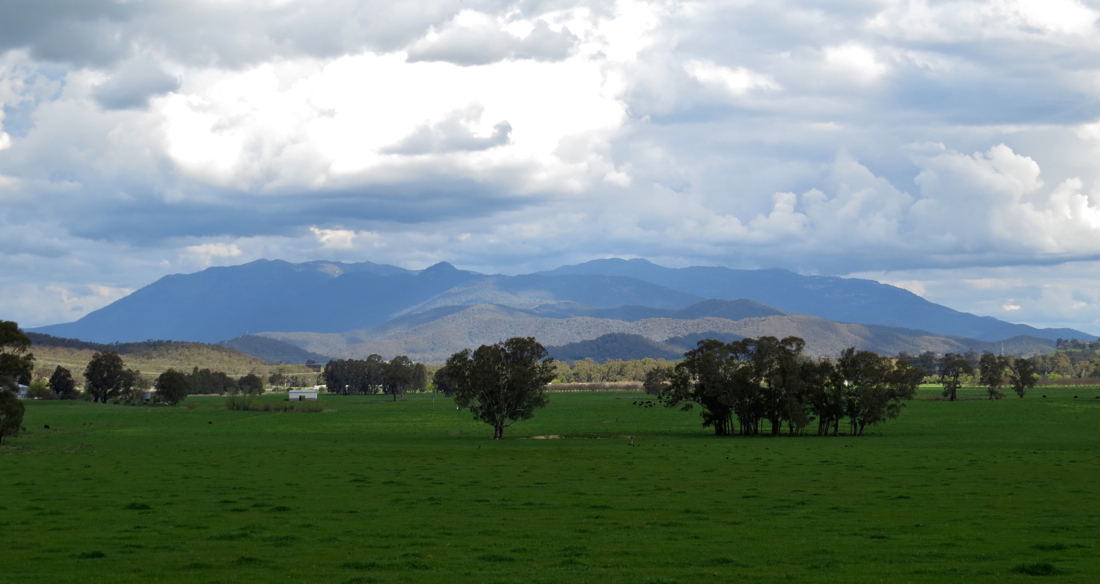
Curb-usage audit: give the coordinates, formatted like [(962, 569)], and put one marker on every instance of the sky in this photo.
[(951, 148)]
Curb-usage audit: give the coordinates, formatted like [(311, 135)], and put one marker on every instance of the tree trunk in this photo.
[(498, 432)]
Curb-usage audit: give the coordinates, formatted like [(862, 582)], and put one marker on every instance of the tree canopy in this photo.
[(11, 414), (954, 367), (501, 384), (106, 376), (62, 383), (250, 384), (16, 360), (172, 386), (769, 380)]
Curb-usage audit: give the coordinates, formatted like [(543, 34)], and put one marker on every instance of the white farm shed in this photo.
[(302, 394)]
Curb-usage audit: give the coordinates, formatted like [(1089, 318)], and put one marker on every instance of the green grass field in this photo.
[(376, 491)]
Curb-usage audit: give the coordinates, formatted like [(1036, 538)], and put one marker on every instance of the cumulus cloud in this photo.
[(919, 141), (736, 82), (473, 38), (456, 132), (133, 83)]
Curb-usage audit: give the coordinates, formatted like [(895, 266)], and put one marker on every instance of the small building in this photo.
[(302, 394)]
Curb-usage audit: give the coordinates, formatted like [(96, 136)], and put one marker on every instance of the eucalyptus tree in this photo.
[(62, 383), (710, 376), (398, 376), (992, 375), (16, 360), (106, 376), (1022, 375), (173, 386), (954, 367), (824, 394), (875, 387), (11, 414), (777, 371), (503, 383)]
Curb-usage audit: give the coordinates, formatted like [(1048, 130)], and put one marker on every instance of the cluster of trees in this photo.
[(1073, 359), (205, 381), (993, 373), (1075, 363), (106, 377), (375, 375), (754, 381), (589, 371)]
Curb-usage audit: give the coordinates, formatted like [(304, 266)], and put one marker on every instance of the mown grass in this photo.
[(413, 491)]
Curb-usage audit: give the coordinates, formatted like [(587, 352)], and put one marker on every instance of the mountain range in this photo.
[(292, 312)]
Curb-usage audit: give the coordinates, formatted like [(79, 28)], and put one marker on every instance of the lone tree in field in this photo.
[(16, 360), (61, 382), (954, 367), (11, 414), (1021, 375), (106, 376), (992, 373), (502, 383), (172, 386)]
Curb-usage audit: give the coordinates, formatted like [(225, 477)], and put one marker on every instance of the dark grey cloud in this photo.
[(137, 216), (102, 32), (133, 83), (76, 31)]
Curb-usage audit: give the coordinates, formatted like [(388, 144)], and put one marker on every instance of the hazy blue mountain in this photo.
[(327, 297), (331, 297), (839, 299), (227, 302)]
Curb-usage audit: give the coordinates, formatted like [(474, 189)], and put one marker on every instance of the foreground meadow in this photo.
[(413, 491)]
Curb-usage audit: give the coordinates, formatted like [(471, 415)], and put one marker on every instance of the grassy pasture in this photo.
[(413, 491)]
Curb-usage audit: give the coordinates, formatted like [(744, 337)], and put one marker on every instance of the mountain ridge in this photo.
[(223, 303), (436, 339)]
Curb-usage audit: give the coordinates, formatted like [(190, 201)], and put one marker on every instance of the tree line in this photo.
[(753, 386), (374, 375)]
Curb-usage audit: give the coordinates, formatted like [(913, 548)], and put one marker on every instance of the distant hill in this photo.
[(839, 299), (272, 350), (435, 340), (151, 358), (621, 346)]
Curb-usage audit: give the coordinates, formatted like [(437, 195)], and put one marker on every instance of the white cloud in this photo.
[(335, 238), (736, 82), (855, 60), (512, 136), (207, 254)]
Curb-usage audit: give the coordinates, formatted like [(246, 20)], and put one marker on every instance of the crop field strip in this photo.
[(413, 491)]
